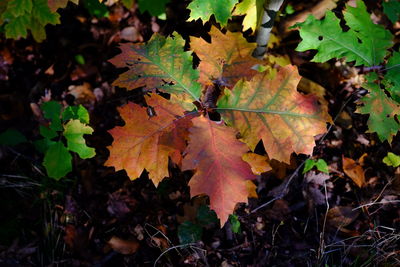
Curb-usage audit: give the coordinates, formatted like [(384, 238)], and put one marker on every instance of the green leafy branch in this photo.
[(367, 44)]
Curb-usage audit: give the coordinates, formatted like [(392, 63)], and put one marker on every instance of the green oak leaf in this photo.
[(365, 42), (392, 160), (154, 7), (382, 111), (57, 161), (41, 12), (76, 113), (203, 9), (24, 15), (373, 36), (392, 10), (73, 132), (17, 27), (19, 7), (37, 30)]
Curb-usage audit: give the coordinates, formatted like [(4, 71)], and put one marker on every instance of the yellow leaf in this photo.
[(252, 9)]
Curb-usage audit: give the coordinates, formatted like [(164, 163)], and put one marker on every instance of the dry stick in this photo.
[(271, 8), (322, 246)]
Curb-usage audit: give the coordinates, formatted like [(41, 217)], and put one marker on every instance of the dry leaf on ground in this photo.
[(354, 171)]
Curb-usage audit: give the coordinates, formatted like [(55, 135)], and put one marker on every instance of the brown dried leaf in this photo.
[(341, 216), (354, 171), (125, 247)]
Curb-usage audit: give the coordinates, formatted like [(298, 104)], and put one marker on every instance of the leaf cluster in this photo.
[(367, 44), (253, 105), (20, 16), (70, 123), (63, 126)]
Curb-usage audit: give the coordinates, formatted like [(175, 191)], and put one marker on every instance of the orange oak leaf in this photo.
[(178, 137), (146, 142), (269, 108), (216, 156), (161, 63), (227, 58)]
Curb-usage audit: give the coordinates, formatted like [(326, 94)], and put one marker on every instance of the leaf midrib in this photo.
[(283, 113), (153, 60), (344, 46)]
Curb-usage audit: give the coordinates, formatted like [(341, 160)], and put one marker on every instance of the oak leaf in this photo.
[(161, 64), (382, 110), (203, 9), (269, 108), (227, 58), (364, 42), (216, 155), (142, 143)]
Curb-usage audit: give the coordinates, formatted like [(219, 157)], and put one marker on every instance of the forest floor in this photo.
[(98, 217)]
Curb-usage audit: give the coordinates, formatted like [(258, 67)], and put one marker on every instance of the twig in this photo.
[(190, 245), (376, 203), (322, 234)]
